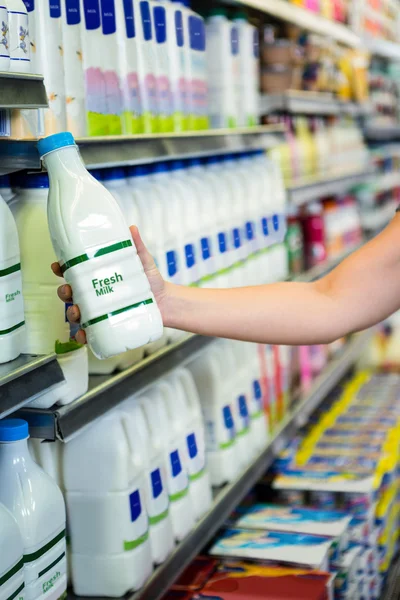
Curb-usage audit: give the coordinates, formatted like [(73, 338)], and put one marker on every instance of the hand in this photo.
[(157, 284)]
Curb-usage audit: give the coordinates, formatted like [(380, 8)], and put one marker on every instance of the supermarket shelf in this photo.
[(387, 182), (231, 495), (375, 219), (305, 19), (24, 379), (311, 190), (124, 150), (387, 133), (383, 48), (22, 90), (310, 103)]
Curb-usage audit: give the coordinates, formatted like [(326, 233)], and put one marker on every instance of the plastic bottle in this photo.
[(11, 562), (37, 505), (314, 235), (198, 85), (259, 423), (118, 309), (110, 66), (163, 83), (249, 73), (12, 320), (146, 65), (19, 43), (107, 519), (74, 79), (44, 317), (5, 39)]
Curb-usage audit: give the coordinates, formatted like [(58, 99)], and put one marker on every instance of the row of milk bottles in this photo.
[(119, 67)]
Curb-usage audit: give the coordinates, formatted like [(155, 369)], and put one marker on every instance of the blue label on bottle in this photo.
[(250, 231), (160, 24), (265, 227), (172, 263), (146, 20), (108, 17), (176, 466), (192, 445), (29, 5), (234, 41), (197, 34), (275, 222), (156, 483), (190, 256), (237, 242), (73, 12), (205, 248), (55, 9), (129, 19), (222, 242), (135, 505), (256, 44), (92, 14), (228, 420), (243, 410), (180, 39), (257, 389)]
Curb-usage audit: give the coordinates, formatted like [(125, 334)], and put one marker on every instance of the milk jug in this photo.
[(107, 518), (44, 313), (155, 485), (18, 37), (110, 66), (163, 83), (146, 65), (221, 449), (11, 562), (249, 71), (37, 505), (4, 39), (165, 440), (12, 320), (197, 84), (97, 255)]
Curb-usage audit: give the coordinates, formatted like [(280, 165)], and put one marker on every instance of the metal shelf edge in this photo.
[(316, 189), (22, 90)]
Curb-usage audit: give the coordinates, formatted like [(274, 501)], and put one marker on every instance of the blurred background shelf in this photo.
[(310, 103), (22, 90), (311, 190)]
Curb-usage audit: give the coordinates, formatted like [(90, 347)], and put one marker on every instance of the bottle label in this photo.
[(229, 427), (73, 12), (244, 416), (129, 19), (92, 14), (158, 501), (49, 564), (190, 254), (222, 242), (4, 33), (55, 9), (108, 17), (250, 233), (11, 300), (138, 521), (257, 395), (237, 242), (179, 480), (18, 37), (172, 264)]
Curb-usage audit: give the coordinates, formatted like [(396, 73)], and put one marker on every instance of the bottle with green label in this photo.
[(97, 255), (294, 243)]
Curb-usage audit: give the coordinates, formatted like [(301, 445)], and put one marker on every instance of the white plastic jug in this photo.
[(110, 65), (156, 497), (147, 65), (11, 561), (18, 36), (249, 71), (108, 522), (5, 43), (37, 505), (97, 254), (163, 82)]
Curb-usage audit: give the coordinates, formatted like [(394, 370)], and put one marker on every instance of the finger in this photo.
[(81, 337), (73, 314), (55, 267), (65, 293), (144, 255)]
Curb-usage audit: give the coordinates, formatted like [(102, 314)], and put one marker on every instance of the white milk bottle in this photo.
[(4, 39), (37, 505), (11, 562), (155, 484), (107, 518), (163, 83), (74, 78), (12, 320), (147, 65), (98, 258), (110, 66), (186, 414), (163, 437), (222, 456), (44, 317), (198, 84), (18, 36), (259, 423), (249, 71)]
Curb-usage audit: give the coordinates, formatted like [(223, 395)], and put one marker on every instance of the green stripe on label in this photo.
[(13, 269), (179, 495), (257, 415), (159, 518), (116, 312), (197, 476), (11, 329), (84, 257), (16, 593), (244, 431), (53, 564), (35, 555), (226, 445), (12, 572), (136, 543)]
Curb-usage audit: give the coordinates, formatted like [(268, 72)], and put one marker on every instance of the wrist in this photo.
[(167, 304)]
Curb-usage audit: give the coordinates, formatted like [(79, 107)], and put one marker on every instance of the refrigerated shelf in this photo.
[(315, 189), (22, 90), (310, 103)]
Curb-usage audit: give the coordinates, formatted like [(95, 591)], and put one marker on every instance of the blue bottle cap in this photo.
[(31, 181), (112, 174), (55, 142), (13, 430)]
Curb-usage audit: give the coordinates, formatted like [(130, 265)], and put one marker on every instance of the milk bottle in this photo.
[(259, 423), (222, 455), (11, 562), (146, 65), (108, 523), (165, 440), (98, 258), (155, 485), (4, 39), (186, 414), (249, 71), (197, 86), (74, 79), (163, 84), (12, 320), (18, 37), (37, 505), (44, 317), (110, 66)]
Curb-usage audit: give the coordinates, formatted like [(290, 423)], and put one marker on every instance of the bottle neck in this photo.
[(15, 453), (65, 160)]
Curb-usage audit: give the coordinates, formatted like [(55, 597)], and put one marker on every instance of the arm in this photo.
[(360, 292)]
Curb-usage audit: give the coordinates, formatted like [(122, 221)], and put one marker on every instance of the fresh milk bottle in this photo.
[(11, 562), (4, 40), (37, 505), (18, 36), (97, 255), (12, 320), (107, 519)]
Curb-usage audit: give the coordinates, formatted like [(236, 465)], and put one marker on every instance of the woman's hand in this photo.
[(157, 284)]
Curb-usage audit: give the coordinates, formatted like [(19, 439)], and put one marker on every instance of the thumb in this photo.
[(144, 255)]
